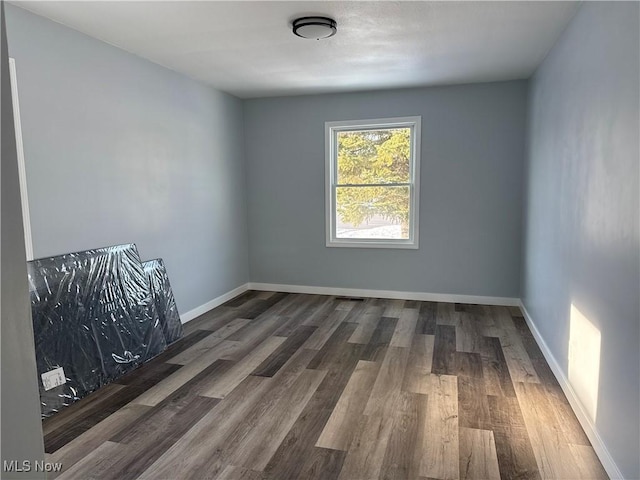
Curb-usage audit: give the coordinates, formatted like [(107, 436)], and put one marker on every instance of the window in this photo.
[(372, 172)]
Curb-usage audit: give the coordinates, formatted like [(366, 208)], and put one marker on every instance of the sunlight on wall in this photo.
[(584, 360)]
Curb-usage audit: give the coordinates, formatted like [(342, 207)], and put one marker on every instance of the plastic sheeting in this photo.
[(94, 316), (164, 300)]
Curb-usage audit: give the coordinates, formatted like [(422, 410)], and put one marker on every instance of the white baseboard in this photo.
[(225, 297), (583, 417), (357, 292)]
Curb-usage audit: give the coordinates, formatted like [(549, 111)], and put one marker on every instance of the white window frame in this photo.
[(331, 157)]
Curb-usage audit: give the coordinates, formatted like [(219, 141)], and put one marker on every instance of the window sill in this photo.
[(373, 244)]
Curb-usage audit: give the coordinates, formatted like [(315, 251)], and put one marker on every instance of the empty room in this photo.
[(346, 240)]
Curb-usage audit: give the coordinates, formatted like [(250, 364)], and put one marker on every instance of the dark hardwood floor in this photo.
[(291, 386)]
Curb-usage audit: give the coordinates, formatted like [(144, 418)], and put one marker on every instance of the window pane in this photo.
[(372, 212), (374, 156)]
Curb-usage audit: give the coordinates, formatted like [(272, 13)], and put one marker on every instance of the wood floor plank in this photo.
[(589, 466), (567, 419), (283, 305), (259, 329), (211, 320), (258, 448), (322, 464), (405, 328), (147, 375), (359, 309), (428, 312), (316, 317), (394, 308), (162, 390), (270, 366), (377, 346), (520, 367), (89, 411), (495, 372), (241, 299), (239, 473), (264, 295), (154, 436), (230, 328), (339, 358), (473, 405), (439, 450), (260, 415), (91, 439), (446, 314), (513, 447), (366, 453), (515, 311), (324, 332), (221, 386), (469, 333), (478, 458), (444, 350), (418, 371), (196, 350), (61, 436), (96, 464), (550, 447), (367, 324), (182, 344), (338, 432), (345, 305), (186, 458), (468, 364), (472, 308), (333, 347), (179, 400), (79, 410), (288, 325), (399, 456), (297, 303), (389, 381), (257, 307), (295, 312), (540, 364)]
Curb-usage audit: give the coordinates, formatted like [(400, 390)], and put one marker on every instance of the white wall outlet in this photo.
[(53, 378)]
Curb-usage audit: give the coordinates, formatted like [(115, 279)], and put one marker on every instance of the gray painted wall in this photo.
[(582, 242), (20, 407), (119, 150), (470, 199)]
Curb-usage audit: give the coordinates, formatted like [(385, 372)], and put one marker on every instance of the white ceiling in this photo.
[(247, 48)]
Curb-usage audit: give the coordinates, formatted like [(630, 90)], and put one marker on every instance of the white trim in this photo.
[(22, 171), (225, 297), (415, 124), (576, 405), (393, 294)]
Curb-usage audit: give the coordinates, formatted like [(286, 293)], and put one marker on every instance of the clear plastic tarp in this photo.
[(165, 302), (94, 316)]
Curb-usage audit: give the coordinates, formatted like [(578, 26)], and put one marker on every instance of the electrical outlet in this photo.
[(53, 378)]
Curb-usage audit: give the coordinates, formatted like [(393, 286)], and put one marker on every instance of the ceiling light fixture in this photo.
[(314, 27)]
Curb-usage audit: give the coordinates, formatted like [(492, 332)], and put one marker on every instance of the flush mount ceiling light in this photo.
[(314, 27)]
